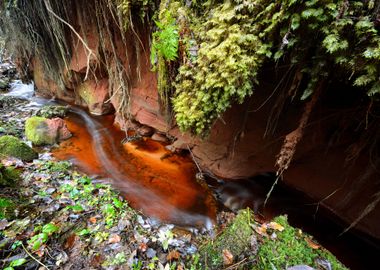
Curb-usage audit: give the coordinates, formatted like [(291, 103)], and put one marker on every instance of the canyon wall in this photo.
[(241, 143)]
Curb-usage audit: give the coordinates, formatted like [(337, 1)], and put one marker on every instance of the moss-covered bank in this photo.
[(11, 146)]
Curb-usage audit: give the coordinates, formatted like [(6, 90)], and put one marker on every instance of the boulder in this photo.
[(42, 131), (94, 94), (11, 146)]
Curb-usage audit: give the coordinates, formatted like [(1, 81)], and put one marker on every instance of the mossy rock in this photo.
[(51, 111), (289, 248), (7, 207), (11, 146), (8, 176), (236, 238), (37, 131)]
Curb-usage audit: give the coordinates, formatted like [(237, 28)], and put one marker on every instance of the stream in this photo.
[(163, 185)]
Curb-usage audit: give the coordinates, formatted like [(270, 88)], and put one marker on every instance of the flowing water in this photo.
[(154, 180), (163, 185)]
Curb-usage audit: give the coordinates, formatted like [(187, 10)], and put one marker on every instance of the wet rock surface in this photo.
[(42, 131)]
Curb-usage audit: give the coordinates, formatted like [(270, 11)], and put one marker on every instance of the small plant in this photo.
[(165, 237), (39, 239), (165, 41)]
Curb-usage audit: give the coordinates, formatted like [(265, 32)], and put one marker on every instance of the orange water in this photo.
[(157, 182)]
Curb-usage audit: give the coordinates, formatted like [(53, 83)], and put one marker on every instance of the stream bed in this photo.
[(164, 186)]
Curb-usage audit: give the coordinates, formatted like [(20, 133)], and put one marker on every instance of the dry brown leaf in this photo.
[(312, 244), (173, 255), (180, 267), (262, 230), (70, 241), (92, 220), (228, 258), (114, 238), (275, 226), (143, 247)]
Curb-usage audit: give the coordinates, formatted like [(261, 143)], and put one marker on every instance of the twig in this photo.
[(196, 163), (34, 258)]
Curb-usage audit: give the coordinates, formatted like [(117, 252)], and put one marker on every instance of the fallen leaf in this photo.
[(70, 241), (262, 230), (312, 244), (228, 258), (92, 220), (143, 247), (173, 255), (275, 226), (180, 267), (114, 238)]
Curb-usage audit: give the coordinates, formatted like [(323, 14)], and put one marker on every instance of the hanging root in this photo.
[(289, 146)]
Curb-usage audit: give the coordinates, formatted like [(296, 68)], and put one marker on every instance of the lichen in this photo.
[(37, 131), (11, 146)]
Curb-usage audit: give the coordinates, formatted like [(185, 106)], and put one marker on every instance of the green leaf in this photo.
[(84, 232), (117, 203), (50, 228), (17, 262)]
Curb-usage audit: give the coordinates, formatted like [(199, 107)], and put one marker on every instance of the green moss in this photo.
[(235, 238), (11, 146), (290, 248), (37, 131), (84, 91), (8, 176), (6, 208)]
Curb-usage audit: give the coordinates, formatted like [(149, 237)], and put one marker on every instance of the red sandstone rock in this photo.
[(58, 129), (160, 137), (145, 131), (95, 95)]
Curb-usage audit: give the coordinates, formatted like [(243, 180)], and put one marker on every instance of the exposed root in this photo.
[(289, 146)]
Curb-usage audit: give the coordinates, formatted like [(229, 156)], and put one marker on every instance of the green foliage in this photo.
[(237, 37), (290, 248), (11, 146), (230, 55), (36, 241), (165, 40)]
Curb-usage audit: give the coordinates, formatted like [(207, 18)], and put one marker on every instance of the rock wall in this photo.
[(236, 146)]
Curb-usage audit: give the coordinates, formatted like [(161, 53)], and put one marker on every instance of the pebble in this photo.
[(150, 253)]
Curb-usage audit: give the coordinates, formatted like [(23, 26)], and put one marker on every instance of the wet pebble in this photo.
[(150, 253)]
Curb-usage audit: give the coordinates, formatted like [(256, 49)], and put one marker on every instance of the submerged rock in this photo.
[(42, 131), (11, 146)]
